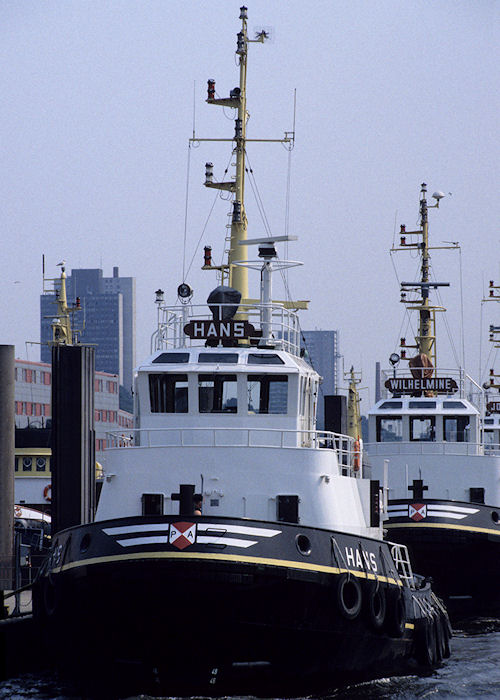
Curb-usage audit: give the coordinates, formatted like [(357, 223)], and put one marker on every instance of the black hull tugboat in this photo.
[(439, 457), (235, 548)]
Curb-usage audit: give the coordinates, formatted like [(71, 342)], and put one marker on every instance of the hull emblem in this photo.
[(417, 511), (181, 535)]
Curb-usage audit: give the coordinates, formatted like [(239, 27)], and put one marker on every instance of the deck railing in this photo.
[(425, 448), (284, 325), (467, 387), (342, 445)]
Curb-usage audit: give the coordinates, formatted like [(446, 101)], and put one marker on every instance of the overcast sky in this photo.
[(97, 110)]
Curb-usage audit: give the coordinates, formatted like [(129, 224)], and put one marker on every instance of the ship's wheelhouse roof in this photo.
[(237, 359), (412, 405)]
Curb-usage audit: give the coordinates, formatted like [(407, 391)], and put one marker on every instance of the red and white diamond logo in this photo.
[(417, 511), (181, 535)]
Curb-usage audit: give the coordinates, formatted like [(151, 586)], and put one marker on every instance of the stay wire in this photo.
[(188, 169), (260, 206), (217, 194)]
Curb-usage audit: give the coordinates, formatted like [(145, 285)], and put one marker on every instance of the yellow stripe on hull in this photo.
[(445, 526), (226, 557)]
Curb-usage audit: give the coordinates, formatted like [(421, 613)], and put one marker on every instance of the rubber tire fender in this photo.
[(376, 608), (349, 596), (426, 645), (445, 629), (50, 597), (396, 615)]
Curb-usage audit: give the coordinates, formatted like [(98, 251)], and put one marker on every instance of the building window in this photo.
[(267, 393), (168, 393), (422, 428), (217, 393), (389, 429)]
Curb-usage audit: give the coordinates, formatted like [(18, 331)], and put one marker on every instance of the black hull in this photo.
[(462, 557), (208, 620)]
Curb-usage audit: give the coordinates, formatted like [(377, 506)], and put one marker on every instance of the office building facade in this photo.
[(107, 320), (322, 354)]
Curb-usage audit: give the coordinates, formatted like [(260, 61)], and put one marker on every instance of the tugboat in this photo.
[(426, 440), (235, 549)]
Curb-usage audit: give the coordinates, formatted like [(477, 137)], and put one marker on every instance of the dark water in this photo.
[(473, 671)]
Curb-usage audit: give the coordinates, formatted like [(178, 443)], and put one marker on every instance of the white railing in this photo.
[(401, 559), (284, 325), (491, 448), (342, 445), (468, 388), (424, 448)]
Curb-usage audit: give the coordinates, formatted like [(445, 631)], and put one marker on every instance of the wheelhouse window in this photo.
[(389, 429), (168, 393), (172, 358), (422, 428), (218, 358), (456, 428), (453, 404), (217, 393), (260, 358), (489, 440), (267, 393)]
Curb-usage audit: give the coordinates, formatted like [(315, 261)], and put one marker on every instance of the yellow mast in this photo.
[(237, 274), (425, 341), (353, 409), (62, 331)]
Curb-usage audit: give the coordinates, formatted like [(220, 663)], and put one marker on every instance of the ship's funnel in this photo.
[(224, 295)]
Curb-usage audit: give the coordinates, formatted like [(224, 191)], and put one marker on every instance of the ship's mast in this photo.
[(425, 341), (353, 410), (237, 274), (62, 329)]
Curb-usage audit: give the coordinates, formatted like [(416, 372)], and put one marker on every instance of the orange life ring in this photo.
[(356, 457), (47, 493), (17, 511)]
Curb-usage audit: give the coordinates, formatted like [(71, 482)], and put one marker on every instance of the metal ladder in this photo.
[(401, 559)]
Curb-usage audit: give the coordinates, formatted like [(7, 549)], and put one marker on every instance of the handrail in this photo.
[(284, 324), (457, 372), (342, 445), (417, 447)]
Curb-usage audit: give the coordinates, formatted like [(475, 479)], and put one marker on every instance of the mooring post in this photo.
[(73, 436), (7, 455)]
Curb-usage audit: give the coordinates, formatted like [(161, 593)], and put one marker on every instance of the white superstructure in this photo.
[(239, 423)]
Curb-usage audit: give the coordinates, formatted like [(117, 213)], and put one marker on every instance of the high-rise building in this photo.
[(322, 354), (107, 319)]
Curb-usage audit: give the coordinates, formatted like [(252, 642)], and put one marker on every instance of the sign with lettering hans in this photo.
[(219, 330)]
